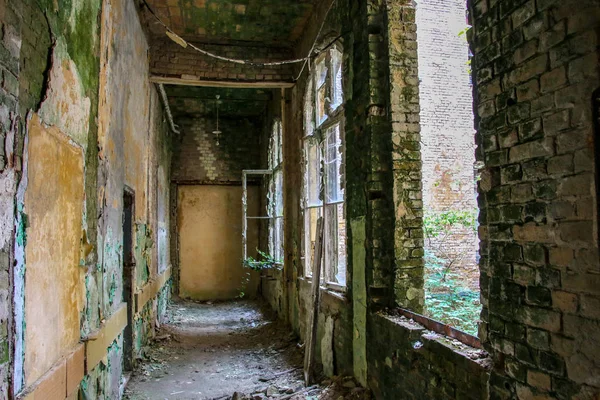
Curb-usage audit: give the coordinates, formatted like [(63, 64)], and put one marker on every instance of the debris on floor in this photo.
[(228, 351)]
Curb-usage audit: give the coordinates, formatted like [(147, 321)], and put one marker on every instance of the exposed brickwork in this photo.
[(270, 21), (36, 43), (404, 94), (536, 66), (410, 362), (169, 59), (198, 158), (446, 116)]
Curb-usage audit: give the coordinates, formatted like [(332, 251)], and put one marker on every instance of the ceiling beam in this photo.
[(167, 80)]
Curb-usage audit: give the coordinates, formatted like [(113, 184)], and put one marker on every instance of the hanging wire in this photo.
[(312, 48), (184, 43)]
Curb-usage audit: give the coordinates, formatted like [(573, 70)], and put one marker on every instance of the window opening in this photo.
[(448, 148), (324, 168)]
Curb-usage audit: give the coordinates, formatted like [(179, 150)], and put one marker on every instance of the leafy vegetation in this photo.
[(265, 261), (447, 298)]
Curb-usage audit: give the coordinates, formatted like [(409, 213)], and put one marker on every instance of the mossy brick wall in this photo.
[(198, 159), (171, 60), (10, 46), (535, 68), (407, 175), (410, 362)]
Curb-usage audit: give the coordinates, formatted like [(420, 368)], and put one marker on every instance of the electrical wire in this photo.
[(184, 43), (312, 48)]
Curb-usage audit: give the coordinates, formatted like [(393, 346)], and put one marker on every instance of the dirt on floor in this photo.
[(228, 350)]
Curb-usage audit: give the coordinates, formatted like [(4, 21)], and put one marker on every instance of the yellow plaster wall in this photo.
[(54, 281), (210, 241)]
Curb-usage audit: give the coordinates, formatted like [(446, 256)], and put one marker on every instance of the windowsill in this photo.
[(439, 327), (333, 289), (423, 339)]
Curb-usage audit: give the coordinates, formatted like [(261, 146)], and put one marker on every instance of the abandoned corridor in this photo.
[(406, 191)]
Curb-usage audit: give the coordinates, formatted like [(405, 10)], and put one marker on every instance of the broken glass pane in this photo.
[(321, 92), (313, 175), (333, 165), (336, 89), (311, 215)]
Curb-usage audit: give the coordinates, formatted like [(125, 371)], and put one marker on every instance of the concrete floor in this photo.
[(210, 351)]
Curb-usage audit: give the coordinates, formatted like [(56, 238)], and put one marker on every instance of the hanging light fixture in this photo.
[(217, 132)]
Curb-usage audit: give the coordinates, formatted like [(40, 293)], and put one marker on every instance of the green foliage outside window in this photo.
[(447, 298)]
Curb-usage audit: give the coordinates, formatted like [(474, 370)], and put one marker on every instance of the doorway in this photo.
[(128, 271)]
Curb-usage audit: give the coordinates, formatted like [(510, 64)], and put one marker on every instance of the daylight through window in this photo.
[(324, 183)]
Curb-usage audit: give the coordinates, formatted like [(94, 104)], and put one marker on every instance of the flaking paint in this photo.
[(54, 200)]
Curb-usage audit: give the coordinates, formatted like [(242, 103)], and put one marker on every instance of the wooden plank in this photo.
[(61, 380), (313, 317), (51, 386), (151, 289), (168, 80), (75, 368), (96, 347)]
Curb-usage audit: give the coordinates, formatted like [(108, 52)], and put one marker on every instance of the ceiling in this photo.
[(191, 101), (272, 22)]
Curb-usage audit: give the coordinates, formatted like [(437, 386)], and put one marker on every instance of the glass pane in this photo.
[(275, 146), (279, 143), (336, 89), (278, 195), (333, 165), (278, 239), (309, 109), (313, 169), (335, 244), (340, 273), (321, 92), (311, 215), (321, 112), (321, 73)]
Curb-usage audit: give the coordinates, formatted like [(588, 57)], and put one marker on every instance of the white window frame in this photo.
[(316, 133), (275, 192)]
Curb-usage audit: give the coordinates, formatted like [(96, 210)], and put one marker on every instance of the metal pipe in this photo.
[(165, 101)]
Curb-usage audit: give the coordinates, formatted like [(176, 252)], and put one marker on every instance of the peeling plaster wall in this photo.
[(53, 203), (54, 67), (89, 134), (134, 152)]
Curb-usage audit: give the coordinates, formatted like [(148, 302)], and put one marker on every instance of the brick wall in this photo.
[(407, 164), (198, 158), (448, 146), (536, 67), (169, 59), (410, 362)]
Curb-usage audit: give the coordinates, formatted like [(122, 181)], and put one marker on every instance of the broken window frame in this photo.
[(318, 129), (275, 192)]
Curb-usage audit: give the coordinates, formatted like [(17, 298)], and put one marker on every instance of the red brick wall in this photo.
[(169, 59)]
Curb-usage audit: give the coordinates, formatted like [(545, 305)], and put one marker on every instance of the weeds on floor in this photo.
[(448, 298)]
